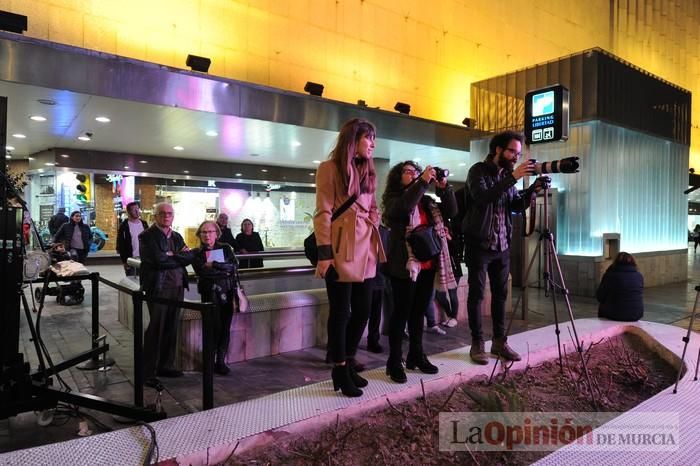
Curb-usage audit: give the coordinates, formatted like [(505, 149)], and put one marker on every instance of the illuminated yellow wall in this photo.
[(422, 52)]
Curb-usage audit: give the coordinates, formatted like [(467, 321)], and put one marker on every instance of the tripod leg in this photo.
[(686, 339), (549, 285), (514, 309), (579, 344), (32, 329)]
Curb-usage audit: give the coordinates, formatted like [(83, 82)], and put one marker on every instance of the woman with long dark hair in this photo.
[(75, 236), (349, 246), (413, 279)]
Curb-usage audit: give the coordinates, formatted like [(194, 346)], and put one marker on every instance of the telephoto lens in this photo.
[(565, 165), (441, 173)]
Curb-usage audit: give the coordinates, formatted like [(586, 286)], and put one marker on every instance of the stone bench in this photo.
[(276, 323)]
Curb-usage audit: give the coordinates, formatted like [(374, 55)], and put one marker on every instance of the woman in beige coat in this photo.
[(348, 247)]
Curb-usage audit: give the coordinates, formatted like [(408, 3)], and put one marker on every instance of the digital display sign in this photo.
[(547, 115)]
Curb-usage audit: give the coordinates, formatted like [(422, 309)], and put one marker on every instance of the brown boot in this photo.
[(477, 353), (499, 347)]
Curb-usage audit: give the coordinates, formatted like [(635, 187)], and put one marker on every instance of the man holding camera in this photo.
[(491, 196)]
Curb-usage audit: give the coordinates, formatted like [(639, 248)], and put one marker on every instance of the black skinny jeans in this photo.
[(410, 301), (349, 305), (497, 265), (222, 327)]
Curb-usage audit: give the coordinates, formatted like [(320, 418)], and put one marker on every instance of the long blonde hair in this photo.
[(358, 174)]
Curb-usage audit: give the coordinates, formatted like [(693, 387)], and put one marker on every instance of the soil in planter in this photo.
[(623, 369)]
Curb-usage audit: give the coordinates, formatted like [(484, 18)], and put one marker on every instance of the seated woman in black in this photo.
[(248, 242), (620, 292), (215, 264)]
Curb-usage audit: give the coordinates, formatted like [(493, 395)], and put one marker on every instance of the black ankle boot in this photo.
[(421, 362), (220, 366), (394, 369), (359, 382), (343, 382)]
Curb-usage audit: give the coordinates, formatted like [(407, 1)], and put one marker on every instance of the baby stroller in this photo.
[(67, 293)]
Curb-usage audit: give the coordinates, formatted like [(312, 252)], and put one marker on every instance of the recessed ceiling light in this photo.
[(102, 119), (313, 185), (312, 174), (296, 143), (317, 161), (49, 164), (126, 167), (30, 158), (185, 171), (264, 170), (239, 174), (10, 147), (65, 156), (19, 136), (451, 174), (211, 133), (178, 148), (46, 101), (143, 161), (84, 138), (37, 118), (8, 156), (188, 177), (462, 164)]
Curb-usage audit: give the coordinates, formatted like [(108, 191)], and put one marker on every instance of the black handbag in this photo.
[(310, 249), (425, 242)]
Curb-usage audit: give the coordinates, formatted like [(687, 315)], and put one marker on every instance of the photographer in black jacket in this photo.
[(492, 196)]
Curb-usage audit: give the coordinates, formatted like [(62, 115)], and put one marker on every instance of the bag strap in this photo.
[(346, 205)]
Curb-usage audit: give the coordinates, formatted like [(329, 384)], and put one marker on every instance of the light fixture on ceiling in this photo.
[(312, 174), (102, 119), (314, 88), (264, 170), (469, 123), (49, 164), (178, 148), (316, 162), (402, 107), (65, 156), (143, 161), (19, 136), (46, 101), (85, 137), (185, 171), (462, 164), (296, 144), (361, 103), (126, 167), (30, 158), (8, 156), (197, 63), (13, 22), (37, 118), (239, 174), (9, 147), (211, 133)]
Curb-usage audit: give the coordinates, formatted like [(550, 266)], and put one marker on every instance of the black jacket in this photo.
[(222, 274), (227, 237), (56, 222), (251, 243), (620, 293), (153, 246), (485, 190), (397, 214), (124, 240), (65, 234)]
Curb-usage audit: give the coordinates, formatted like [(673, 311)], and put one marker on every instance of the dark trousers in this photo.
[(161, 335), (375, 317), (410, 301), (349, 305), (497, 266), (450, 306), (222, 324)]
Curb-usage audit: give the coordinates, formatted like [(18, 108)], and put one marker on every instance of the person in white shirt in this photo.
[(128, 235)]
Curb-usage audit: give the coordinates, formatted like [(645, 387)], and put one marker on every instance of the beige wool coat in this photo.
[(352, 240)]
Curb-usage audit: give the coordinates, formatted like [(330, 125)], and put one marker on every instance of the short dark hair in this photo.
[(625, 258), (132, 203), (502, 140)]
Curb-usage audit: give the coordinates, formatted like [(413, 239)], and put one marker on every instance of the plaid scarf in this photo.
[(444, 276)]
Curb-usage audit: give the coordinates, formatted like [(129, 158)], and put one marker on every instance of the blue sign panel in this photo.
[(547, 115)]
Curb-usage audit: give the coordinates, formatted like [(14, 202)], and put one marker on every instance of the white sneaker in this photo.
[(450, 323), (435, 329)]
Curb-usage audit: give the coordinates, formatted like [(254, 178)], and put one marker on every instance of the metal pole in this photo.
[(208, 316), (137, 300)]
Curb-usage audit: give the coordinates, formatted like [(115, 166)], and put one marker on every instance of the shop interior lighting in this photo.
[(211, 133), (19, 136), (178, 148), (102, 119), (37, 118), (316, 162), (9, 147), (296, 144)]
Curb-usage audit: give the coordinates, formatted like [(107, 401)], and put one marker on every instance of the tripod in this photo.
[(550, 259), (686, 339)]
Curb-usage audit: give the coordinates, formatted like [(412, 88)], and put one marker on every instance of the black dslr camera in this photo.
[(441, 173)]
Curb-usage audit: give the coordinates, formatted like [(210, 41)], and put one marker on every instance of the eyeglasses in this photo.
[(207, 232), (409, 171), (512, 151)]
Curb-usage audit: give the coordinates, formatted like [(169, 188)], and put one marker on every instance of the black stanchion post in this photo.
[(95, 281), (208, 316), (137, 300)]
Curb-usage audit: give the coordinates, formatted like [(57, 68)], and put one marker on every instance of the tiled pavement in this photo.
[(66, 331)]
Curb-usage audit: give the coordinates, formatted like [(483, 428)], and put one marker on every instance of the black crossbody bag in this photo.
[(310, 249)]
